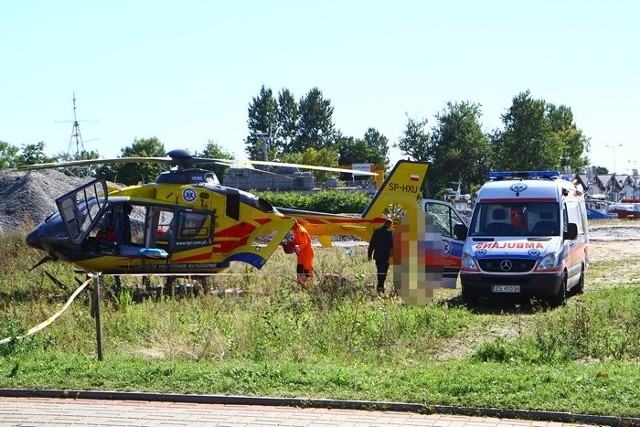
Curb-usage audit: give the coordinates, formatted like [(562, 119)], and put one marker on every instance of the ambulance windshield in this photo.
[(515, 219)]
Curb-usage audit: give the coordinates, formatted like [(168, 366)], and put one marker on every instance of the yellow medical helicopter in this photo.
[(187, 223)]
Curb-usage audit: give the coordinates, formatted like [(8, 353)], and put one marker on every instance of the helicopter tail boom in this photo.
[(399, 192), (401, 188)]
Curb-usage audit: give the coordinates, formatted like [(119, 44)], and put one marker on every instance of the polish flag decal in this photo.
[(415, 177)]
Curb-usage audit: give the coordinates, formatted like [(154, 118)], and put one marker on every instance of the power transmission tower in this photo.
[(76, 136), (75, 132)]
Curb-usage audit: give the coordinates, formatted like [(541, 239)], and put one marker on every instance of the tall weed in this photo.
[(601, 325)]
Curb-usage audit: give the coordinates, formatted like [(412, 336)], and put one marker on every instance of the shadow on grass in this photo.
[(501, 305)]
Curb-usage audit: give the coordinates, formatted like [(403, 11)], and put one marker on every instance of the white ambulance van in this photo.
[(527, 238)]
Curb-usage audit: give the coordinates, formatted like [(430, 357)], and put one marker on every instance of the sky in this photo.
[(185, 72)]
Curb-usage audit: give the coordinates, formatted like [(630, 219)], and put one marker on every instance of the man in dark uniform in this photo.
[(380, 248)]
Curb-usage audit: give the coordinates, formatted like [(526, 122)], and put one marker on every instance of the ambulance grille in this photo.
[(507, 265)]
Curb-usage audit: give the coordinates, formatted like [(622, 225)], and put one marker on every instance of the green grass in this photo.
[(607, 388), (336, 339)]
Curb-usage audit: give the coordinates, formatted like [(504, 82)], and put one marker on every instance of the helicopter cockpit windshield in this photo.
[(80, 208)]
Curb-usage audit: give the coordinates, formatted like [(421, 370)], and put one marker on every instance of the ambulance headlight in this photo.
[(468, 263), (548, 262)]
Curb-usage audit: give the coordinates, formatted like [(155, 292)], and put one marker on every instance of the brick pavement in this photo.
[(20, 411)]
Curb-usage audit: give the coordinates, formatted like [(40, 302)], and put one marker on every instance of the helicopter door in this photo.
[(138, 235), (160, 229), (81, 208)]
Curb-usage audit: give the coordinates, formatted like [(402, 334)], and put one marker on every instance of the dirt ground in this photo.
[(614, 241)]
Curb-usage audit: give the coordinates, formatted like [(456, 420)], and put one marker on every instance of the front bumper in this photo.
[(531, 285)]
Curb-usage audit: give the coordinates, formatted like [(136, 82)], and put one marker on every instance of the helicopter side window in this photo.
[(194, 229), (192, 226), (136, 225), (158, 226), (164, 228)]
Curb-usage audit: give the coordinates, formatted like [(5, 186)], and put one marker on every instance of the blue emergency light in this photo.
[(524, 175)]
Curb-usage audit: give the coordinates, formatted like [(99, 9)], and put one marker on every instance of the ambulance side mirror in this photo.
[(572, 231), (460, 231)]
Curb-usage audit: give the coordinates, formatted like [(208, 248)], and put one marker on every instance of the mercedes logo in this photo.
[(505, 265)]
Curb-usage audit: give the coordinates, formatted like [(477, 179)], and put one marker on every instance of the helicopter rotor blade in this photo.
[(226, 162), (87, 162), (183, 159), (232, 162)]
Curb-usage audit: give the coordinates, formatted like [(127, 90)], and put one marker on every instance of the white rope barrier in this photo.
[(50, 319)]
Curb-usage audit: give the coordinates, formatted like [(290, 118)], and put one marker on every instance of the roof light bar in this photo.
[(524, 175)]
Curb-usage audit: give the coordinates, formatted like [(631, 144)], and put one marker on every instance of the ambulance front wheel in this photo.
[(468, 297), (558, 299)]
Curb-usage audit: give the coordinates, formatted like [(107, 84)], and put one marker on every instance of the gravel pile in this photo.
[(27, 198)]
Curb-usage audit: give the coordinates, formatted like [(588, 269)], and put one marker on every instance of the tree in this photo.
[(287, 120), (526, 136), (263, 125), (215, 151), (352, 150), (461, 150), (315, 123), (8, 155), (380, 144), (371, 149), (416, 141), (575, 143), (31, 154), (601, 170), (88, 170), (537, 136), (134, 173), (322, 157)]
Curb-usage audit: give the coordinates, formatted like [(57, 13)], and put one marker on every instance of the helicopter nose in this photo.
[(34, 240)]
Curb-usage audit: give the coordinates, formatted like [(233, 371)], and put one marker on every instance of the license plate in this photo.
[(505, 289)]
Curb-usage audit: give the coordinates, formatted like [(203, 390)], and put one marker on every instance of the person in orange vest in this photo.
[(304, 250)]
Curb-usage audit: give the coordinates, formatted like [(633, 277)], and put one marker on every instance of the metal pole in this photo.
[(262, 136), (613, 149), (95, 309), (265, 149)]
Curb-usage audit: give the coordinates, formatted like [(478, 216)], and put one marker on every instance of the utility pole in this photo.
[(613, 148), (262, 136), (270, 136)]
